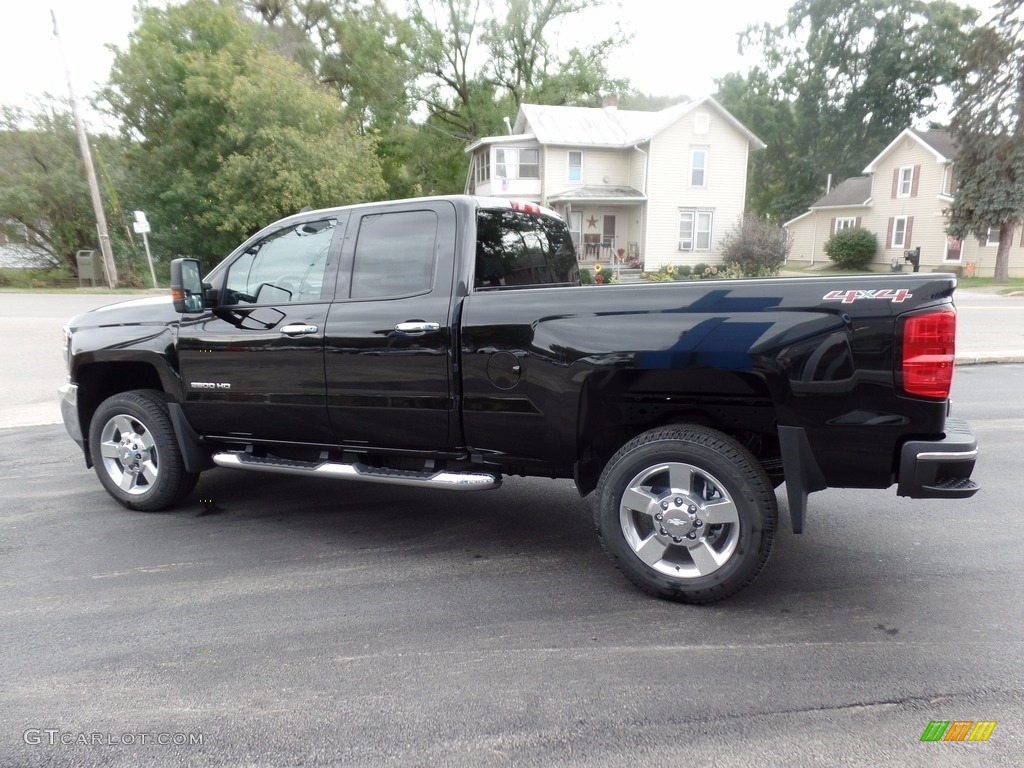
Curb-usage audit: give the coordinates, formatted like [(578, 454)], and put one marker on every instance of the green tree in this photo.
[(988, 128), (228, 134), (43, 188), (516, 62), (837, 82)]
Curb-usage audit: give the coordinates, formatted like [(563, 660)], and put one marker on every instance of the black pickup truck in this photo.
[(446, 342)]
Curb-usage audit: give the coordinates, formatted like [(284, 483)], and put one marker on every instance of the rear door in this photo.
[(388, 347)]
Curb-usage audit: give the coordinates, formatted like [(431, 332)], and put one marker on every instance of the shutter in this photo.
[(916, 181), (856, 222), (888, 234), (895, 182), (832, 227), (909, 232)]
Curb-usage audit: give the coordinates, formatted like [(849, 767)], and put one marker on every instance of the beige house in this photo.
[(902, 198), (662, 187)]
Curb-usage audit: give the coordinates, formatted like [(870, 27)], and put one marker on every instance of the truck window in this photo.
[(517, 249), (288, 266), (394, 254)]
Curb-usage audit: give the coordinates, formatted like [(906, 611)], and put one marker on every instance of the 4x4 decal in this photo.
[(848, 297)]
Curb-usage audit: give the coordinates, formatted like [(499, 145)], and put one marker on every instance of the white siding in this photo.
[(669, 188)]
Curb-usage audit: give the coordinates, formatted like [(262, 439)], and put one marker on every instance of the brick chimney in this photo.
[(610, 102)]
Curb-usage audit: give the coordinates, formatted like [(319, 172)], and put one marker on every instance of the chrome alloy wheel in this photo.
[(679, 520), (129, 454)]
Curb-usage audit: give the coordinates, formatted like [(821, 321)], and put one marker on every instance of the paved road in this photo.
[(324, 623)]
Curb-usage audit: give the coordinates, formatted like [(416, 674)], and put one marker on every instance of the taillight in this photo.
[(929, 347)]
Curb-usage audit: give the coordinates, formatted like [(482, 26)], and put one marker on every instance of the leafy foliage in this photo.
[(43, 189), (228, 134), (756, 247), (988, 128), (837, 82), (852, 248)]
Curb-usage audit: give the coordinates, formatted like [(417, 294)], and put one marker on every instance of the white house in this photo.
[(663, 187)]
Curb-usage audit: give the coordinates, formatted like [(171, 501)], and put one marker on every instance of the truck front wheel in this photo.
[(135, 453), (686, 513)]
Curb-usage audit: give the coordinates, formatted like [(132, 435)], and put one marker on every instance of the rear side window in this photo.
[(516, 249), (394, 254)]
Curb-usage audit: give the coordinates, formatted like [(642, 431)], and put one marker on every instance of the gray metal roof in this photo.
[(606, 126), (855, 190)]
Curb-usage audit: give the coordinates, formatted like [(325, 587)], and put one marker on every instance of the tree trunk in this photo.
[(1002, 270)]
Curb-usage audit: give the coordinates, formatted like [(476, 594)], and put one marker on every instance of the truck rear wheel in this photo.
[(686, 513), (135, 452)]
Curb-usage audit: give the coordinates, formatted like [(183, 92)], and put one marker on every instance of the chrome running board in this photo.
[(453, 481)]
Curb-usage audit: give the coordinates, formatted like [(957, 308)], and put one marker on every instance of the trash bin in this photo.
[(90, 267)]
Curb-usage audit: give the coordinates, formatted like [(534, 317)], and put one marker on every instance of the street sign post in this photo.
[(141, 226)]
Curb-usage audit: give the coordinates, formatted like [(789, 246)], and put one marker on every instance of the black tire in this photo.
[(686, 513), (135, 453)]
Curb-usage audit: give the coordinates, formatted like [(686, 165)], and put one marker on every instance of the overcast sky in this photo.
[(679, 46)]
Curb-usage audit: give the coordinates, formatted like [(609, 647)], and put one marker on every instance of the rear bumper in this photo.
[(940, 469)]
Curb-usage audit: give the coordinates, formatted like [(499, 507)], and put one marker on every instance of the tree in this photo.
[(227, 133), (518, 63), (988, 128), (838, 81), (43, 188)]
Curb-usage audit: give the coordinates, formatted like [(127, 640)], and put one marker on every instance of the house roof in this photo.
[(937, 141), (598, 194), (854, 191), (605, 126)]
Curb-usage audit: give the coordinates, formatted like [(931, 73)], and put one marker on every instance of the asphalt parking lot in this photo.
[(273, 621)]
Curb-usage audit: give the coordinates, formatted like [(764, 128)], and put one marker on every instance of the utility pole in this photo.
[(90, 172)]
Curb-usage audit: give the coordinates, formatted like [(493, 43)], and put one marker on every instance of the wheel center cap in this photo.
[(678, 525)]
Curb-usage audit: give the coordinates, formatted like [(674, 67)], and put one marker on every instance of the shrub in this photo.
[(756, 247), (852, 248), (585, 277)]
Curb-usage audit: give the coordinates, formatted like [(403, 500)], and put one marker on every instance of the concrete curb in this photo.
[(989, 359)]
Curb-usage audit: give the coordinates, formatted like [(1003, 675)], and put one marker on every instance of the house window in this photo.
[(906, 181), (993, 237), (695, 230), (845, 222), (503, 158), (698, 167), (701, 122), (899, 232), (575, 167), (483, 166), (512, 163), (529, 164)]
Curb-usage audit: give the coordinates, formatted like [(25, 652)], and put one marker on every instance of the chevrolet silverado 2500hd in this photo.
[(445, 342)]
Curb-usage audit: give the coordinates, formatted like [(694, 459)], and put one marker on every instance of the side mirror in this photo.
[(186, 285)]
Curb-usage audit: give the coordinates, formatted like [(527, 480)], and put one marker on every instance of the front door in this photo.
[(388, 348), (254, 366)]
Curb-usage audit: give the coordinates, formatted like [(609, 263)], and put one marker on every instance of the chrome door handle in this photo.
[(417, 326), (298, 329)]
